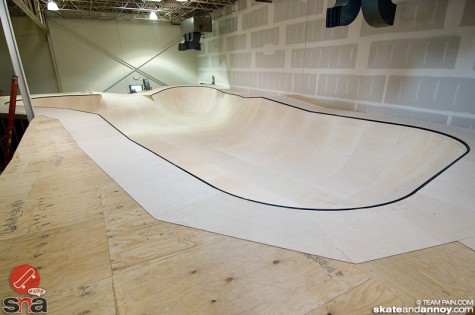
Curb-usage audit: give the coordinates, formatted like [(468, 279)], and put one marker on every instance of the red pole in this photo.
[(11, 115)]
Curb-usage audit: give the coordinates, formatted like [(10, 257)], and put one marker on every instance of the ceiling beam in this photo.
[(35, 18), (167, 10)]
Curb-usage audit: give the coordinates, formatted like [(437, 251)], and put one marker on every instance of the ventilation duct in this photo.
[(377, 13)]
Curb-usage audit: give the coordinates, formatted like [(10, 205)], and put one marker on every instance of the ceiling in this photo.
[(167, 10)]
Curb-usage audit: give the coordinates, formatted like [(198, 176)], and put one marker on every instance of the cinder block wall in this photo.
[(422, 67)]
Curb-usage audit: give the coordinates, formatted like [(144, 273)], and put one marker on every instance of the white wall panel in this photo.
[(422, 67)]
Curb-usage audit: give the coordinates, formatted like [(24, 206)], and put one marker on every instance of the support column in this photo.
[(16, 60)]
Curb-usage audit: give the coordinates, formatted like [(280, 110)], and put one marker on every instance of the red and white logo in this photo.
[(23, 278)]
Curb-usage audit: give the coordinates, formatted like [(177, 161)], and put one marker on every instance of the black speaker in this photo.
[(192, 41)]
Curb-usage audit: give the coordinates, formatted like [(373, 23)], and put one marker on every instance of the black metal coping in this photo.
[(467, 147)]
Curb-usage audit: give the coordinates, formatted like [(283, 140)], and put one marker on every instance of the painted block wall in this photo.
[(36, 58), (96, 55), (422, 67)]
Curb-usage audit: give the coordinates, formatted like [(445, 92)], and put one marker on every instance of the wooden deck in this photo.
[(99, 252)]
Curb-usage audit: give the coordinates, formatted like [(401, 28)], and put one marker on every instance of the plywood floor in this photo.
[(99, 252)]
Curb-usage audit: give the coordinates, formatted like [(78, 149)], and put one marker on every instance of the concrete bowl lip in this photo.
[(154, 92)]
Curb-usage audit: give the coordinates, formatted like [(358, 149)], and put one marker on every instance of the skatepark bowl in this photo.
[(278, 154)]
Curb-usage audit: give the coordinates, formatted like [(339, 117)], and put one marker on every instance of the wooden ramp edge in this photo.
[(99, 252)]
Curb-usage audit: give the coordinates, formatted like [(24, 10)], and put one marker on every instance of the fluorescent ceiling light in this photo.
[(153, 16), (181, 0), (52, 6)]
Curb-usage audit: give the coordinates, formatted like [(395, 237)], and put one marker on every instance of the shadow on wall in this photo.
[(35, 55), (111, 52)]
